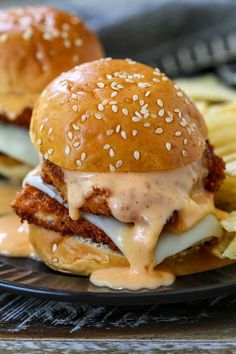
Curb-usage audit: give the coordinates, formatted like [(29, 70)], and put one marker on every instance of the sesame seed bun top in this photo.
[(37, 44), (117, 116)]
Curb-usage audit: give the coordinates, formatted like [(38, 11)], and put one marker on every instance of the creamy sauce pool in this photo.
[(12, 105), (147, 200), (14, 237)]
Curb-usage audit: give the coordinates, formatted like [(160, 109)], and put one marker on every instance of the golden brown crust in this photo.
[(21, 120), (38, 43), (215, 166), (37, 208), (109, 115)]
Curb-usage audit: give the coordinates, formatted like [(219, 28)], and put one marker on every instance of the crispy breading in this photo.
[(95, 204), (22, 120), (215, 166), (38, 208)]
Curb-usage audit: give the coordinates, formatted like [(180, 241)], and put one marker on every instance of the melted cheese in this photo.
[(15, 142), (12, 105), (169, 243), (141, 204)]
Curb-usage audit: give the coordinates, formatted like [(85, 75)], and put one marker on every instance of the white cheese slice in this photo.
[(15, 142), (168, 244)]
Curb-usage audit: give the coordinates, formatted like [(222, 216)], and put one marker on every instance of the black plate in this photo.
[(28, 277)]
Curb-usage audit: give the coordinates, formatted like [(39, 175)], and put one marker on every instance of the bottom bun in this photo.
[(81, 256), (13, 169)]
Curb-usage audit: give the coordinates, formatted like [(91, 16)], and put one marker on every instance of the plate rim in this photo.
[(123, 298)]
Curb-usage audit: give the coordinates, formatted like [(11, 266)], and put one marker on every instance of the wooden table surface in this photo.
[(31, 325)]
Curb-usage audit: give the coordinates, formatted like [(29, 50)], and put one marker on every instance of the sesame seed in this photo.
[(67, 150), (139, 115), (100, 84), (136, 119), (125, 111), (50, 152), (83, 156), (65, 26), (74, 96), (184, 153), (4, 37), (155, 79), (104, 102), (147, 124), (78, 42), (169, 119), (141, 102), (177, 110), (109, 77), (178, 133), (47, 36), (189, 131), (118, 127), (50, 131), (147, 93), (100, 107), (55, 260), (39, 55), (187, 101), (70, 135), (143, 84), (111, 153), (164, 78), (160, 102), (156, 71), (110, 132), (136, 155), (54, 247), (113, 102), (78, 163), (27, 34), (120, 86), (114, 108), (46, 156), (98, 116), (112, 168), (183, 122), (185, 141), (168, 146), (114, 94), (39, 142), (161, 113), (135, 98), (67, 43), (41, 128), (119, 163), (123, 134), (134, 132), (75, 108), (159, 131), (83, 117), (106, 146), (75, 127), (76, 144), (75, 58), (180, 94)]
